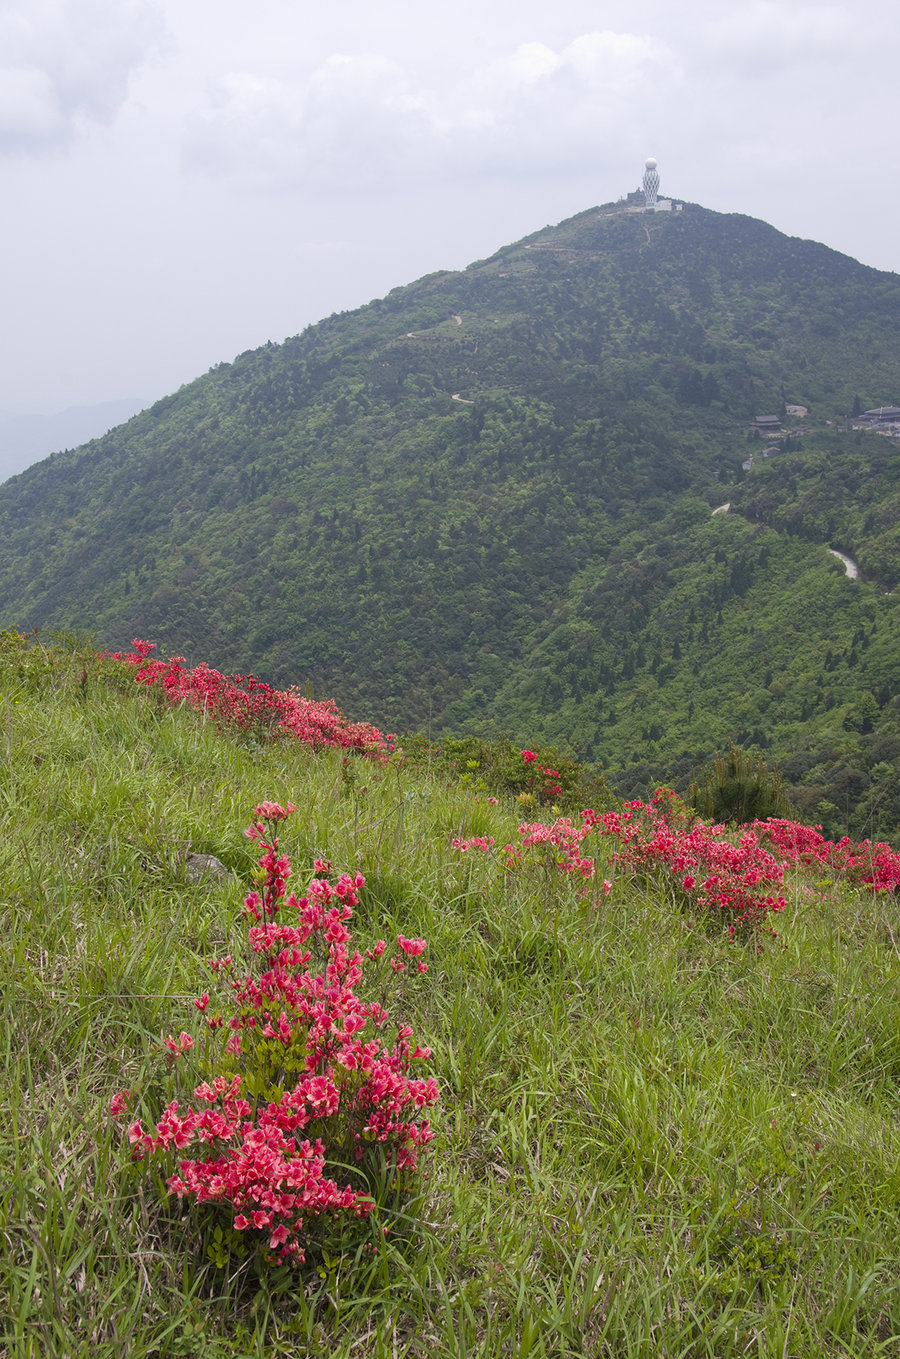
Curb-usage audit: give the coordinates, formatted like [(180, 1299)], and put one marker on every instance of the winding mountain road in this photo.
[(849, 564)]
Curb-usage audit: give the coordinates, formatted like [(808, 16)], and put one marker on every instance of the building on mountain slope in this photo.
[(766, 424), (882, 419), (882, 415)]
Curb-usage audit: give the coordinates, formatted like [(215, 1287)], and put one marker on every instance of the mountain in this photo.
[(486, 502)]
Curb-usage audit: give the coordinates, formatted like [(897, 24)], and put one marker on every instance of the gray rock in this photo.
[(198, 867)]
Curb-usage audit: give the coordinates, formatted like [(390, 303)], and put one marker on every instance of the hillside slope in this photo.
[(485, 501), (653, 1135)]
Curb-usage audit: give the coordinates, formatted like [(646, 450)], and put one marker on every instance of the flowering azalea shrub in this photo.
[(874, 864), (737, 875), (251, 705), (543, 781), (711, 868), (740, 875), (557, 845), (312, 1097)]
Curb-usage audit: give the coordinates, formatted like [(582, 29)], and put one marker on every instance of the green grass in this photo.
[(651, 1141)]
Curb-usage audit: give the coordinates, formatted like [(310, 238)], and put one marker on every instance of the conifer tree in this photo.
[(738, 788)]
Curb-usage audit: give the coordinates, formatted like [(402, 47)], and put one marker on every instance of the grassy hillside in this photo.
[(653, 1136), (483, 503)]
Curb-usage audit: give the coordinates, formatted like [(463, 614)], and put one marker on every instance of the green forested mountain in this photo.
[(485, 503)]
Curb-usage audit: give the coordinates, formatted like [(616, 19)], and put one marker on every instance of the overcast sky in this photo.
[(186, 179)]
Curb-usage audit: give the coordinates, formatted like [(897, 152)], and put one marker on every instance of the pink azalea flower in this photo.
[(119, 1103)]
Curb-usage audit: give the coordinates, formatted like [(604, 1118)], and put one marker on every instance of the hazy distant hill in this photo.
[(485, 502), (26, 438)]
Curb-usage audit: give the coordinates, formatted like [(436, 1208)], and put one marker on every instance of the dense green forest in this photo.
[(484, 504)]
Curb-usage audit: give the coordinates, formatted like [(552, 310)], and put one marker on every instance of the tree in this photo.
[(737, 788)]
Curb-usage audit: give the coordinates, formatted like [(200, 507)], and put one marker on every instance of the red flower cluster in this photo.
[(319, 1061), (732, 875), (560, 843), (251, 705), (276, 1180), (550, 786), (563, 844), (874, 864), (715, 871), (481, 842)]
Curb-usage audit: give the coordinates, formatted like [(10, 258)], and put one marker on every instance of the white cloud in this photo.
[(362, 120), (778, 34), (67, 62), (30, 110), (538, 109)]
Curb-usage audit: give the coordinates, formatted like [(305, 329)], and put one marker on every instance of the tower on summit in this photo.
[(651, 183), (645, 197)]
